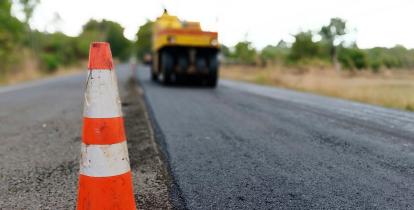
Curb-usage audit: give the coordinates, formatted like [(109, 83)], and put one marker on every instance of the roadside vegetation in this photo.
[(323, 62), (27, 54), (389, 88), (329, 47)]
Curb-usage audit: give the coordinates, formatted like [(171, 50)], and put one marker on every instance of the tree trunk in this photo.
[(335, 62)]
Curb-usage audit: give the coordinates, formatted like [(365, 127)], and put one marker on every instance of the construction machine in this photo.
[(180, 49)]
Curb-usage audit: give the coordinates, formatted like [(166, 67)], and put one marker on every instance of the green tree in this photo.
[(331, 35), (98, 29), (55, 50), (225, 51), (304, 47), (353, 58), (120, 46), (29, 7), (400, 56), (108, 31), (391, 58), (244, 52), (11, 34), (144, 39), (275, 53)]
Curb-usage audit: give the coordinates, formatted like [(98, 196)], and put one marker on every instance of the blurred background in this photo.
[(344, 48)]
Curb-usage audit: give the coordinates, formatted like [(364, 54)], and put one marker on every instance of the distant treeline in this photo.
[(329, 51), (49, 51), (57, 49)]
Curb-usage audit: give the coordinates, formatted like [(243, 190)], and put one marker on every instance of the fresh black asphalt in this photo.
[(243, 146)]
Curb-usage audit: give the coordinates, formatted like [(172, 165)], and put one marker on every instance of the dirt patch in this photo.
[(151, 176)]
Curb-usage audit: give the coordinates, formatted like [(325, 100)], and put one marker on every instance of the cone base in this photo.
[(113, 192)]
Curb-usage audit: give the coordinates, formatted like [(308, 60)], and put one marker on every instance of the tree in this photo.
[(120, 45), (108, 31), (277, 53), (11, 34), (304, 47), (144, 39), (28, 9), (225, 51), (353, 58), (330, 35), (11, 29), (244, 52)]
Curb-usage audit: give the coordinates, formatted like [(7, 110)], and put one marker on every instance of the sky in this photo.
[(371, 23)]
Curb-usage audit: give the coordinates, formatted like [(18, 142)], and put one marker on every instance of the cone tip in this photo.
[(100, 56)]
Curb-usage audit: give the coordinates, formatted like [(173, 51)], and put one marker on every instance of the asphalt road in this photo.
[(238, 146), (40, 129), (243, 146)]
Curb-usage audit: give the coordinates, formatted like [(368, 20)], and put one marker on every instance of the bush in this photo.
[(353, 58), (275, 54), (375, 65), (11, 36), (111, 32), (245, 53), (304, 47), (50, 62)]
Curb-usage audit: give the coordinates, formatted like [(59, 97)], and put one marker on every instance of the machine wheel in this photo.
[(164, 77), (213, 63), (212, 79), (166, 68), (154, 76)]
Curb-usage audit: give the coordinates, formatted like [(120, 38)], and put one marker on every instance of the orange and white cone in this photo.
[(105, 180)]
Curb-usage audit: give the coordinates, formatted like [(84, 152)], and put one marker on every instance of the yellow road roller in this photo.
[(182, 50)]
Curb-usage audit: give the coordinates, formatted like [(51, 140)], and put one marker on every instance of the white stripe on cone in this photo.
[(104, 160), (101, 95)]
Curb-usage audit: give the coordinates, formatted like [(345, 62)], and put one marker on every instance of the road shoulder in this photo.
[(151, 177)]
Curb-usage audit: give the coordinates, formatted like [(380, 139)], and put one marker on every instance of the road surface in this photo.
[(40, 137), (40, 143), (243, 146), (238, 146)]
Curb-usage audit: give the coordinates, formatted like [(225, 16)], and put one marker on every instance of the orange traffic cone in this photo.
[(105, 180)]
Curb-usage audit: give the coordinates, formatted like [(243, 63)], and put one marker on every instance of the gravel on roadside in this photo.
[(151, 177)]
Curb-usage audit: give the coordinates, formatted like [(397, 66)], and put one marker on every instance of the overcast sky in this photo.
[(372, 22)]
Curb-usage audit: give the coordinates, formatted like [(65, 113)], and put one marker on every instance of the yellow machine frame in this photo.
[(170, 31)]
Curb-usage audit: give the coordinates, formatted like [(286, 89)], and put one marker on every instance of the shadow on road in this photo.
[(190, 82)]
